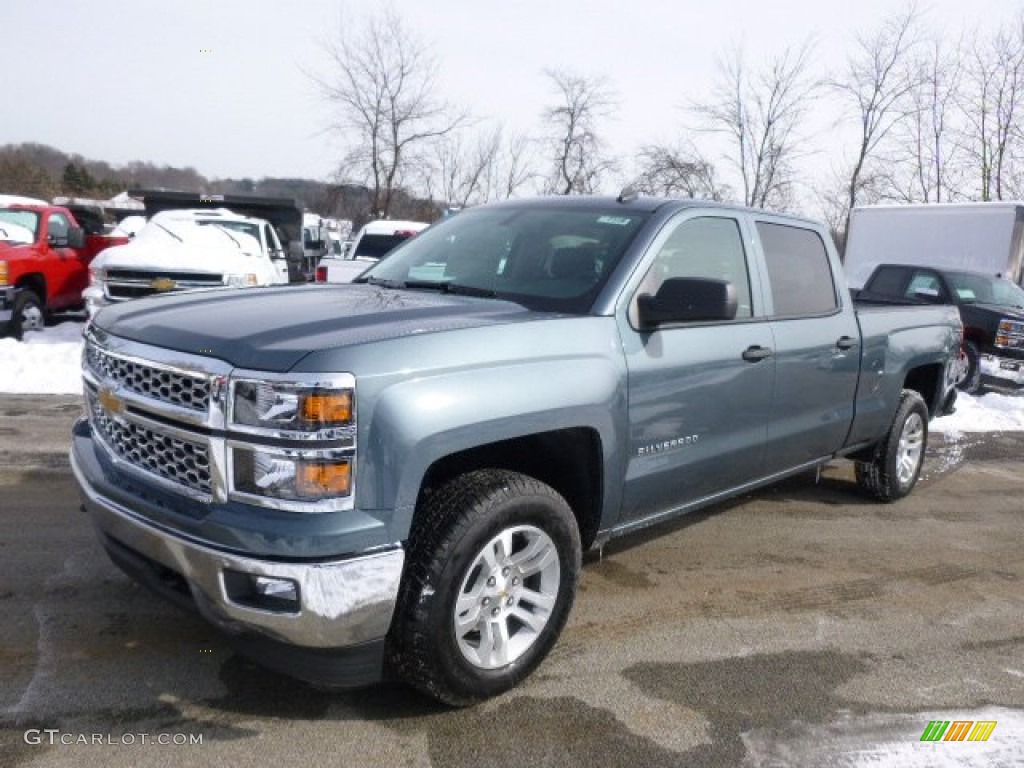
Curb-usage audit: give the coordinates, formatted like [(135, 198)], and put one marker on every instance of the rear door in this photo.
[(698, 399), (817, 345)]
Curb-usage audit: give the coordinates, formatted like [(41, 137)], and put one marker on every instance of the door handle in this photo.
[(756, 354), (846, 342)]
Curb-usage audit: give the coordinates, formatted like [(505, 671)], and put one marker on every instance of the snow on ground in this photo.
[(48, 363)]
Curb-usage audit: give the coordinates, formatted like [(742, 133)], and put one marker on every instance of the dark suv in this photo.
[(991, 308)]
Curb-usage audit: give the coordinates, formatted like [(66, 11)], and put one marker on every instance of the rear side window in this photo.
[(799, 271), (888, 281)]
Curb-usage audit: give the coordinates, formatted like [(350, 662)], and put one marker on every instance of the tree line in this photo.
[(919, 118)]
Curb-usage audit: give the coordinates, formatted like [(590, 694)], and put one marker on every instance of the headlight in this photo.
[(241, 281), (1010, 334), (292, 407), (97, 275), (291, 477)]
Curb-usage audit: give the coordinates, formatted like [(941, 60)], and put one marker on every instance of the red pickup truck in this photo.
[(44, 264)]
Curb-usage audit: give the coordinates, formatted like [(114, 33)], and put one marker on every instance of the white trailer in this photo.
[(978, 237)]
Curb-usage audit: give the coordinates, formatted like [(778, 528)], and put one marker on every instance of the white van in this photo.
[(374, 240)]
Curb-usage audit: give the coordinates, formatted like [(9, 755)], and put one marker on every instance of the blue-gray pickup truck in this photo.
[(397, 477)]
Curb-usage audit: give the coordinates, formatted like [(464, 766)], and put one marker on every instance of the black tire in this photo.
[(453, 528), (896, 463), (27, 314), (971, 381)]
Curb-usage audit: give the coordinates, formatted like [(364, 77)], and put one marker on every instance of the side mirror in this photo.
[(687, 300), (76, 237)]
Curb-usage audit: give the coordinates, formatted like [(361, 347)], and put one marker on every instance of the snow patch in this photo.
[(48, 362), (991, 412)]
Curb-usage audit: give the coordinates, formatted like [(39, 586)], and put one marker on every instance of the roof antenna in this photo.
[(628, 194)]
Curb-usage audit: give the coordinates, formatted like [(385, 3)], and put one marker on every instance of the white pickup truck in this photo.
[(188, 249), (374, 241)]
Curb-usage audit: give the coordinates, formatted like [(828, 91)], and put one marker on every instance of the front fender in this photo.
[(415, 422)]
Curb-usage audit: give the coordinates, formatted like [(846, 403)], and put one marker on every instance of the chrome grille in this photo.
[(192, 392), (179, 461), (124, 284)]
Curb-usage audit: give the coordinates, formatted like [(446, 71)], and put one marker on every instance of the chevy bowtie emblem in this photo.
[(110, 401), (162, 284)]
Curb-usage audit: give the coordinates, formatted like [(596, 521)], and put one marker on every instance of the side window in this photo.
[(59, 226), (799, 271), (272, 244), (924, 284), (888, 281), (710, 247)]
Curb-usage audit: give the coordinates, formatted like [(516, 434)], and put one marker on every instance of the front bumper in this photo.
[(1004, 370), (340, 603)]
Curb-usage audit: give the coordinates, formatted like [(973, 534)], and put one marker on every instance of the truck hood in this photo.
[(272, 328), (204, 250), (1013, 313)]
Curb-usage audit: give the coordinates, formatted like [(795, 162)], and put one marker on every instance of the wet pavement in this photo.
[(802, 625)]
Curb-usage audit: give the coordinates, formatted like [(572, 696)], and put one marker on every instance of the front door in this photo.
[(699, 393)]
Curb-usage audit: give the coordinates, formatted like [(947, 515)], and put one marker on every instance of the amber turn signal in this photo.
[(323, 479), (327, 410)]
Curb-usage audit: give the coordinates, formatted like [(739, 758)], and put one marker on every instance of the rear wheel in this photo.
[(896, 463), (28, 314), (490, 578)]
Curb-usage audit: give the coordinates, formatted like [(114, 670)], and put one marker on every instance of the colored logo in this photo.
[(163, 284), (110, 401), (958, 730)]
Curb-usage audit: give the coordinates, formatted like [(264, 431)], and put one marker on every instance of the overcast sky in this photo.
[(219, 84)]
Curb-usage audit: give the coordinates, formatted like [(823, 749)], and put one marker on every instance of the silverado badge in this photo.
[(162, 284)]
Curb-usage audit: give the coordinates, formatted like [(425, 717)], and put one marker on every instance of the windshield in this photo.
[(981, 289), (545, 257), (21, 226)]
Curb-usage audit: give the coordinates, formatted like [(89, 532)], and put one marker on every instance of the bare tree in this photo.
[(926, 161), (476, 169), (993, 107), (578, 155), (879, 77), (382, 84), (760, 114), (676, 171)]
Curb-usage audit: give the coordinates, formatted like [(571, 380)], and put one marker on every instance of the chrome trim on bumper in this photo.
[(990, 366), (343, 602)]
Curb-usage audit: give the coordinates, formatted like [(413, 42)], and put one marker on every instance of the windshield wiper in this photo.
[(169, 232), (381, 282), (447, 286), (234, 239)]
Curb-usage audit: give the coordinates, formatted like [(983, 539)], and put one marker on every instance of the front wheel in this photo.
[(491, 575), (969, 380), (27, 315), (896, 463)]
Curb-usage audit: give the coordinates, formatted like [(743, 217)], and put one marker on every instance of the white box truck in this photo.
[(978, 237)]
